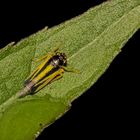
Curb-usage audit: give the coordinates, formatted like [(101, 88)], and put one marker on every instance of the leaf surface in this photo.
[(91, 42)]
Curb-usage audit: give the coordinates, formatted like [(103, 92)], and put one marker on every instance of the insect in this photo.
[(52, 69)]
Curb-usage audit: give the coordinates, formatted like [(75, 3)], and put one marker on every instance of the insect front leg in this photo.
[(69, 69), (48, 56)]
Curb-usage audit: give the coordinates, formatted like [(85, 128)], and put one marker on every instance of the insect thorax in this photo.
[(59, 60)]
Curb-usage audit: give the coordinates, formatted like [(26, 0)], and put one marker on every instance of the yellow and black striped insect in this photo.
[(50, 70)]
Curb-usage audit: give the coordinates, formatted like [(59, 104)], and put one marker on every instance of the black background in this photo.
[(109, 108)]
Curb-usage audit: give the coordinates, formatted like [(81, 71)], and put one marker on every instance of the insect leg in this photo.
[(58, 77), (48, 56), (55, 76), (69, 69), (47, 82)]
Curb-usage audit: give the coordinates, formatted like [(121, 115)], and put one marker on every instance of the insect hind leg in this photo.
[(57, 75)]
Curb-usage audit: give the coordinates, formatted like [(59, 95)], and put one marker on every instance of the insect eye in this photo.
[(61, 56)]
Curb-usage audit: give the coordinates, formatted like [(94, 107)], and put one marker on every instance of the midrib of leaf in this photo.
[(90, 43)]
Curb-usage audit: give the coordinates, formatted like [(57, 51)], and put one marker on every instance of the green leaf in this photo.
[(24, 119), (91, 42)]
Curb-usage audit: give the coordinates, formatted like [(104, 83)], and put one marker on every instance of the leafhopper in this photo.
[(51, 69)]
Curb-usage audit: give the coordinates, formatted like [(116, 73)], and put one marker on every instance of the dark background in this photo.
[(109, 108)]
